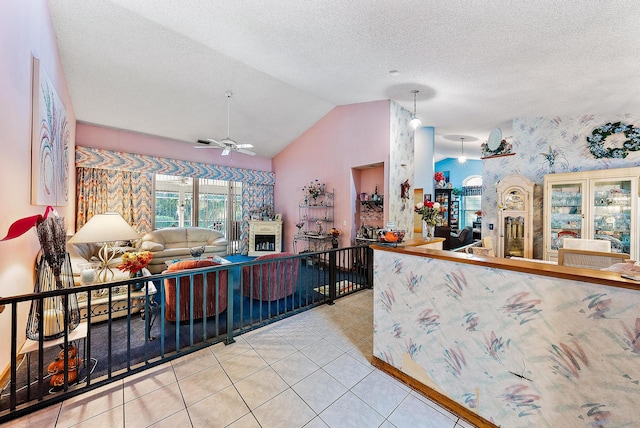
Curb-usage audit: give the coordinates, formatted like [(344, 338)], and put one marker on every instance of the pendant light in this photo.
[(415, 122), (462, 158)]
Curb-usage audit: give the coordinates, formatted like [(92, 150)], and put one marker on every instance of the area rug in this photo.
[(343, 286)]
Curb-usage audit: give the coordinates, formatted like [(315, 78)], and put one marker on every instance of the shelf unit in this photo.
[(316, 216), (450, 206)]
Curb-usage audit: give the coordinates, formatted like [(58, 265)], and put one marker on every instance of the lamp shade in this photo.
[(105, 227)]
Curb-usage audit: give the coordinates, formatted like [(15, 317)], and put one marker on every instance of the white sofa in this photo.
[(173, 243)]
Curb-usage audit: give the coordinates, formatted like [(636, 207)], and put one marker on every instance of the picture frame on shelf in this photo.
[(278, 217)]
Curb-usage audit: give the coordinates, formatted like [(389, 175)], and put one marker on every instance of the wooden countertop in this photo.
[(612, 279), (415, 242)]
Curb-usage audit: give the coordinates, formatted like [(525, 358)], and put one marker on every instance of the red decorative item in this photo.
[(20, 227)]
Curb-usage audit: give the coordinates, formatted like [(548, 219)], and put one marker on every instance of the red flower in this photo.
[(438, 176)]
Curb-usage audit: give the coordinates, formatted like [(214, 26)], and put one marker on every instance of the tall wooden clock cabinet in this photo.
[(515, 223)]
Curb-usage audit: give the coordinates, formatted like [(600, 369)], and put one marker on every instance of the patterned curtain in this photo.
[(254, 198), (124, 192)]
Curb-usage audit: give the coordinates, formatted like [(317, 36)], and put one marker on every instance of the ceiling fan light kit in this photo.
[(226, 144), (462, 158), (415, 122)]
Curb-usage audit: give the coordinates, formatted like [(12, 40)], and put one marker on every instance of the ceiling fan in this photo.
[(226, 144)]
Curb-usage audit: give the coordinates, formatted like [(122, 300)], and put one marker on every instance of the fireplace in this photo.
[(265, 237)]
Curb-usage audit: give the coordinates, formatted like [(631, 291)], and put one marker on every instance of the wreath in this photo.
[(600, 134)]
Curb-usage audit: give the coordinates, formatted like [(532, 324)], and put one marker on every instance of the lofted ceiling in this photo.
[(162, 67)]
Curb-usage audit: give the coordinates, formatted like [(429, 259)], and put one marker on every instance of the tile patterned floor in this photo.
[(311, 370)]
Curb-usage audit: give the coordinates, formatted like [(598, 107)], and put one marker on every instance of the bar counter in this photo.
[(509, 342)]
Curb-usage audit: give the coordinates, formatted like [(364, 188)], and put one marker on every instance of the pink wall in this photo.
[(370, 178), (25, 29), (348, 136), (133, 142)]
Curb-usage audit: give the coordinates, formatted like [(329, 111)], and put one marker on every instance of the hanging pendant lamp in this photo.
[(462, 158), (415, 122)]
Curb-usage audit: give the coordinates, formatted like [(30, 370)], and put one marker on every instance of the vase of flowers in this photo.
[(430, 213), (334, 237), (313, 190), (133, 263), (440, 180)]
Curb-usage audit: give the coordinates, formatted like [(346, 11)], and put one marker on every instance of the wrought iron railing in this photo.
[(126, 330)]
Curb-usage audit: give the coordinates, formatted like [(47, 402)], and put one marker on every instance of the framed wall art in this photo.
[(50, 142)]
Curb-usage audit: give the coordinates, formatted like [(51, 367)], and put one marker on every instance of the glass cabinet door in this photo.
[(566, 212), (612, 213), (443, 197)]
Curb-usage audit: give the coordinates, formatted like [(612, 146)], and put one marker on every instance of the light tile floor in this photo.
[(311, 370)]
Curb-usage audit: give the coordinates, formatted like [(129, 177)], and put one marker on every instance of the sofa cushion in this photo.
[(151, 246), (190, 264)]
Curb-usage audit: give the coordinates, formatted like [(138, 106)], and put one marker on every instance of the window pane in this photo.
[(173, 201), (212, 205)]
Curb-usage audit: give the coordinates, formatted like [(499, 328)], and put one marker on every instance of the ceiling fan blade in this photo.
[(246, 152), (206, 144), (244, 146)]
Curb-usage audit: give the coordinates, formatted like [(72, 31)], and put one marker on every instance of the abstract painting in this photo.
[(50, 142)]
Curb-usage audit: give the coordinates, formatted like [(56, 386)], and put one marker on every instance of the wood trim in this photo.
[(444, 401), (497, 156), (611, 279)]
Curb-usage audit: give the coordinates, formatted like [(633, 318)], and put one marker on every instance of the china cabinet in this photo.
[(600, 204), (449, 206), (515, 222), (315, 221)]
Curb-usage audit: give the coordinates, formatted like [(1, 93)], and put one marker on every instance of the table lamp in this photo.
[(105, 228)]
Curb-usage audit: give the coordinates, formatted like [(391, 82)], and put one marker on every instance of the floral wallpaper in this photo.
[(401, 167), (518, 349), (546, 145)]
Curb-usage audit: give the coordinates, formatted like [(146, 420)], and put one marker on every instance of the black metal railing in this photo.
[(126, 330)]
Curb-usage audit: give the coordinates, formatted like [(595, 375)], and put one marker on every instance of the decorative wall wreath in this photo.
[(599, 135)]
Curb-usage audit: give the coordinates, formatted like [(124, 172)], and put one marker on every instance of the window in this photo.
[(184, 201), (471, 199)]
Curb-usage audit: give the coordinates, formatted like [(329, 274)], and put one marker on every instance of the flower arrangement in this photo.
[(430, 212), (334, 232), (134, 262), (439, 176), (478, 213), (314, 189)]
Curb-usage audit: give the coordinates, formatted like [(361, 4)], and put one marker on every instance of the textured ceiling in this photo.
[(162, 67)]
